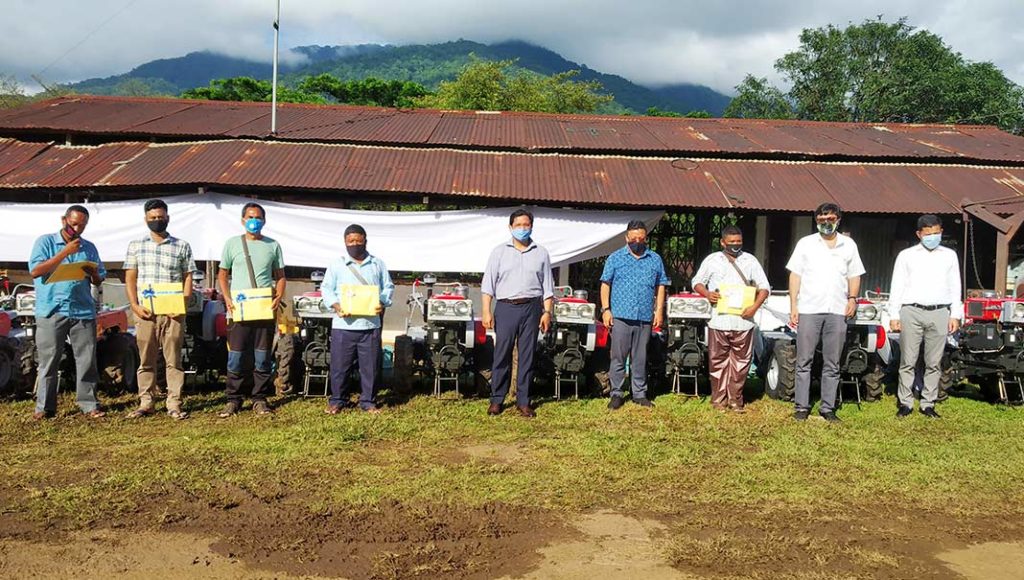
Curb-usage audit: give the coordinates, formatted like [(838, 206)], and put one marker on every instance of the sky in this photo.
[(651, 42)]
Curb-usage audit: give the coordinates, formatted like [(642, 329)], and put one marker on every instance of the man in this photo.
[(250, 338), (66, 310), (924, 306), (518, 276), (158, 258), (632, 301), (824, 279), (730, 336), (355, 337)]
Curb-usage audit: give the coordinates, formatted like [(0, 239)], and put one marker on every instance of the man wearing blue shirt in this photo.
[(66, 310), (632, 298), (355, 337)]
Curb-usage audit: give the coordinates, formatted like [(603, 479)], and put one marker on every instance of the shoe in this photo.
[(230, 410), (494, 409), (39, 416), (830, 417), (801, 414), (95, 414), (526, 411), (902, 411), (262, 408), (332, 409), (616, 402), (931, 412), (177, 415), (738, 408), (644, 402), (372, 409)]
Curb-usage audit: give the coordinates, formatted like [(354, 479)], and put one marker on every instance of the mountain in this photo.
[(427, 64)]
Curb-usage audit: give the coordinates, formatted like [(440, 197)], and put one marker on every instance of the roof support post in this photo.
[(1006, 229)]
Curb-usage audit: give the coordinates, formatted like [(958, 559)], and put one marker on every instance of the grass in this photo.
[(575, 455)]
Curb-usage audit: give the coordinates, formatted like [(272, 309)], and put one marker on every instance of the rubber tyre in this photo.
[(483, 362), (780, 373), (117, 357), (402, 371), (287, 356)]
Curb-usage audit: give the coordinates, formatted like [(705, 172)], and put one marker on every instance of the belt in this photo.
[(929, 308), (518, 300)]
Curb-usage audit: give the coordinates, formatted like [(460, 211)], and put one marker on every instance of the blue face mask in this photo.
[(253, 225), (522, 234), (931, 241)]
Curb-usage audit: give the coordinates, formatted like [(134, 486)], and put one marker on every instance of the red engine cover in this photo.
[(111, 319), (5, 324), (983, 309)]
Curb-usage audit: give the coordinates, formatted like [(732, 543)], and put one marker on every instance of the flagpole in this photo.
[(273, 89)]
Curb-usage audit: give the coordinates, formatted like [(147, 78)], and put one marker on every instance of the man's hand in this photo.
[(545, 322), (275, 304), (379, 309), (229, 305), (659, 318), (488, 321), (749, 312), (607, 319), (714, 297), (337, 310), (72, 247), (794, 318), (141, 312), (954, 325), (851, 307), (895, 326)]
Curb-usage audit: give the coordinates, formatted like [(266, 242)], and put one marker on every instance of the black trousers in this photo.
[(514, 324), (249, 347)]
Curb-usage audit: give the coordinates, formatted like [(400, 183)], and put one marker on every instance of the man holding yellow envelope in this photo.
[(735, 282), (358, 287), (158, 279), (255, 265)]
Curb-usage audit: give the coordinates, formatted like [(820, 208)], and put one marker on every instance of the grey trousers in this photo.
[(931, 328), (830, 330), (51, 333), (629, 339)]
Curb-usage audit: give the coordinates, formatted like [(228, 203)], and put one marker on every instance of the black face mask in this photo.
[(356, 252), (734, 249), (637, 247), (157, 226)]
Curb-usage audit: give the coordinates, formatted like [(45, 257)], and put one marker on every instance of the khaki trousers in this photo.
[(165, 333)]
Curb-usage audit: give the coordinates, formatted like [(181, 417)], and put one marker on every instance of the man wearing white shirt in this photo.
[(924, 307), (730, 336), (824, 279)]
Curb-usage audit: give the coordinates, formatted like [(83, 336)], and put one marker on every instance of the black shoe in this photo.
[(616, 402), (801, 414), (930, 412), (644, 402), (902, 411), (830, 417)]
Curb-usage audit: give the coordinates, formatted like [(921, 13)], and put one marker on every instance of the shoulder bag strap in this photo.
[(248, 262), (732, 262)]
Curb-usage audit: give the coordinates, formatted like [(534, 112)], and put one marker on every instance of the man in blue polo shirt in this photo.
[(632, 301), (355, 337), (66, 310)]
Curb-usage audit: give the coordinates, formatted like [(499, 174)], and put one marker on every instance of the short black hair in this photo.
[(731, 230), (928, 220), (155, 204), (245, 208), (636, 225), (355, 229), (79, 208), (520, 212), (829, 207)]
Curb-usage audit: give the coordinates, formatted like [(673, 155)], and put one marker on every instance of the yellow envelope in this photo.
[(358, 300), (253, 304), (735, 298), (167, 298), (69, 272)]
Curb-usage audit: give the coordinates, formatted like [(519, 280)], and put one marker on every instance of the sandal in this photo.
[(262, 408), (332, 409), (140, 413), (177, 415), (95, 414), (230, 410)]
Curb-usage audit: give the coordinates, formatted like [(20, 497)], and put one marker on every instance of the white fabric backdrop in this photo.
[(435, 241)]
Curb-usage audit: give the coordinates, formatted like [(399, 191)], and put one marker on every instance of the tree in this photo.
[(369, 91), (498, 86), (756, 99), (12, 93), (249, 89), (887, 72), (695, 114)]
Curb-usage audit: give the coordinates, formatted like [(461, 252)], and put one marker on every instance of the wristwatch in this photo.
[(603, 310)]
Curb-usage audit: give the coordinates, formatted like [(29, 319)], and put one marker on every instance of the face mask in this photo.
[(357, 251), (522, 234), (931, 241), (827, 228), (733, 249), (637, 247), (70, 232), (157, 226), (253, 225)]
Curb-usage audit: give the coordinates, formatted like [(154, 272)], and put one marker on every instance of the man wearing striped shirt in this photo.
[(924, 307)]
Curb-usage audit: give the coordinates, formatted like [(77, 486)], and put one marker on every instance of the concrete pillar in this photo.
[(761, 238)]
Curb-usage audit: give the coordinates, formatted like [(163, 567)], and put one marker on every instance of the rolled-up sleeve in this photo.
[(663, 279), (329, 287), (387, 287), (548, 283), (490, 279)]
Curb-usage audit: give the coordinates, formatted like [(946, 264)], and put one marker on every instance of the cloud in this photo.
[(711, 42)]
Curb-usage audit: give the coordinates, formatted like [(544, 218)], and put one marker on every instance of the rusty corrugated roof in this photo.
[(125, 117), (590, 180)]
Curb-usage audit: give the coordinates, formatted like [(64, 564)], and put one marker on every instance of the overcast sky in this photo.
[(710, 42)]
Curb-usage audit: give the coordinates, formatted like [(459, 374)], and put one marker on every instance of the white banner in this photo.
[(430, 241)]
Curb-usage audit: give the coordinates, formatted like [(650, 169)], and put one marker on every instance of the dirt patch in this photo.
[(988, 561), (495, 453)]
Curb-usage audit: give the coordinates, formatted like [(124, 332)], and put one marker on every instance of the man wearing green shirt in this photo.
[(250, 338)]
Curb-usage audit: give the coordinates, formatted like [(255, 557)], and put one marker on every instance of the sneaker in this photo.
[(230, 410), (616, 402), (644, 402), (262, 408), (931, 412), (902, 411), (830, 417), (801, 414)]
